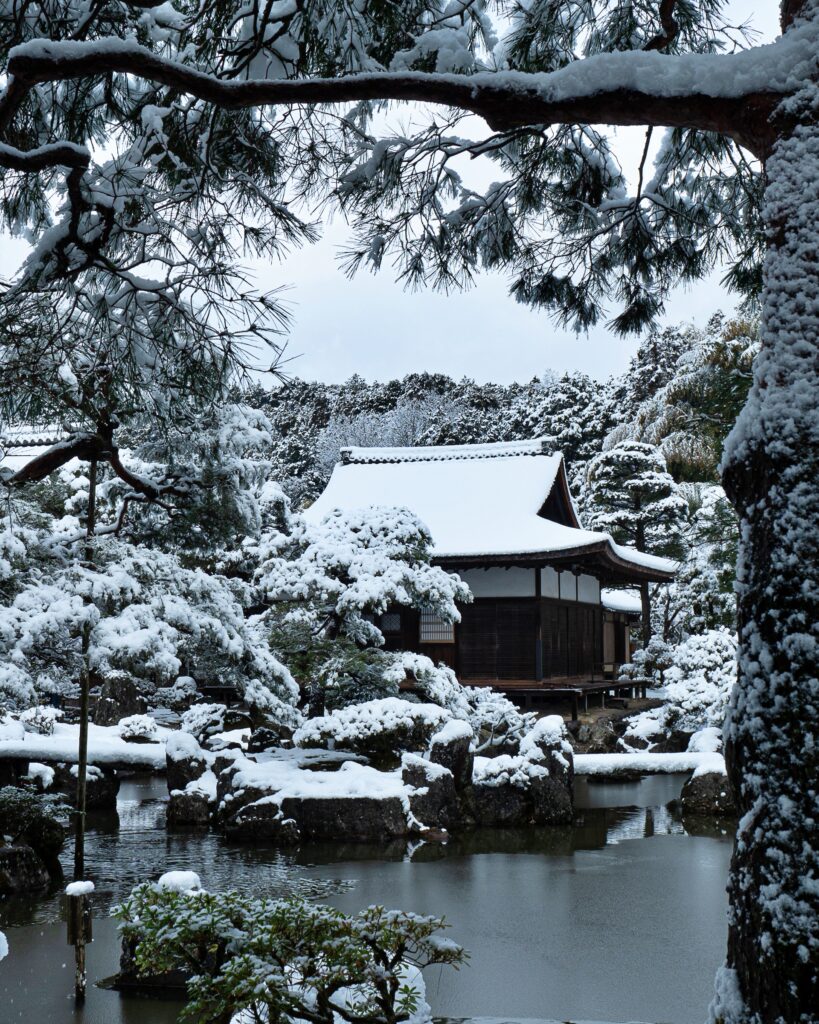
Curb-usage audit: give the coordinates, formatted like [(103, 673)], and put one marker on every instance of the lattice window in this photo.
[(434, 630), (391, 622)]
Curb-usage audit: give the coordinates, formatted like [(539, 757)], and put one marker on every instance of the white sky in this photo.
[(373, 327)]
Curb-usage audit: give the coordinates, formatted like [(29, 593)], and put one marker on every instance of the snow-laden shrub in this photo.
[(268, 710), (497, 723), (377, 727), (649, 662), (700, 680), (16, 688), (286, 960), (137, 728), (698, 686), (40, 720), (204, 720), (178, 696)]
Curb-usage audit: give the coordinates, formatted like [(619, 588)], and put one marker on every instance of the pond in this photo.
[(620, 917)]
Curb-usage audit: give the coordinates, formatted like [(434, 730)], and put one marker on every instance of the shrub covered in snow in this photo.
[(698, 686), (649, 662), (137, 728), (497, 723), (204, 720), (700, 679), (286, 960), (378, 727), (40, 720), (178, 696)]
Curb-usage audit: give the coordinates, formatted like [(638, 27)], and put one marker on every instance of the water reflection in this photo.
[(585, 922)]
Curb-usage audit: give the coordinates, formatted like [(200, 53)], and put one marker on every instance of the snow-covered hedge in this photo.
[(381, 726), (137, 727)]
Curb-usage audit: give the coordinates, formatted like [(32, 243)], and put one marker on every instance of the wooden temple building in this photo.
[(544, 614)]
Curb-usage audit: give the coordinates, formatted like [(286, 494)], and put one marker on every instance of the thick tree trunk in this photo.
[(771, 472)]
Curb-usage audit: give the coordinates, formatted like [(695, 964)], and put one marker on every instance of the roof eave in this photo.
[(599, 556)]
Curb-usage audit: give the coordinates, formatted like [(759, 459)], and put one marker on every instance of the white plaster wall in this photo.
[(588, 589), (499, 582), (549, 586), (568, 586)]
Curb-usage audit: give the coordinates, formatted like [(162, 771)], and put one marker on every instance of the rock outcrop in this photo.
[(708, 794), (101, 786), (21, 870), (185, 761), (432, 794), (119, 698)]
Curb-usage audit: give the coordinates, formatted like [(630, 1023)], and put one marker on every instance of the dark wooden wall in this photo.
[(498, 638)]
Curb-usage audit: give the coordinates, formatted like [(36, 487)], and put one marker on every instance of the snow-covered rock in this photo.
[(452, 747), (101, 785), (180, 881), (708, 793), (432, 793), (185, 760)]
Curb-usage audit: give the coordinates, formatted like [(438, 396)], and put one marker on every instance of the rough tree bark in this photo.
[(771, 473)]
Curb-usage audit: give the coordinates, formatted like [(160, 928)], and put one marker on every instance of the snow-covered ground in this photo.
[(105, 745), (648, 764)]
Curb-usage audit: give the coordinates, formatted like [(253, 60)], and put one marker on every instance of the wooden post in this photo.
[(539, 629), (82, 910)]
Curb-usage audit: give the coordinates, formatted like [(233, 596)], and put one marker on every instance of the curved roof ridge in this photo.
[(448, 452)]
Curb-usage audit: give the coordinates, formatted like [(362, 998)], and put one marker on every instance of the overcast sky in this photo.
[(371, 326)]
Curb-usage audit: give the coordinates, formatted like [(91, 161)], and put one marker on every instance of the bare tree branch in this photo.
[(670, 27)]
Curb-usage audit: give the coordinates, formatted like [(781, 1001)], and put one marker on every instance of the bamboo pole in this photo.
[(80, 977)]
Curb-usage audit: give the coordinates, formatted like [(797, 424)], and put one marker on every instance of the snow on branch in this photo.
[(722, 93)]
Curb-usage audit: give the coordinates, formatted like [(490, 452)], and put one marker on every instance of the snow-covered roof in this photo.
[(621, 601), (476, 500), (19, 445)]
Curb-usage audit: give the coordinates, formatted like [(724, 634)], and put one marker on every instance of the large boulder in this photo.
[(433, 797), (708, 793), (552, 802), (119, 698), (532, 788), (185, 761), (346, 817), (21, 870), (101, 785), (262, 820), (188, 809), (498, 803), (602, 737), (452, 748), (32, 821)]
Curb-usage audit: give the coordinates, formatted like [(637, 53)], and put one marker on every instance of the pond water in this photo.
[(620, 917)]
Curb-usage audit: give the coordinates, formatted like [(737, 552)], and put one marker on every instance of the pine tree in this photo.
[(632, 496)]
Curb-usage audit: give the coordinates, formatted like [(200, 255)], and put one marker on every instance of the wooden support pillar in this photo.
[(574, 706), (539, 628)]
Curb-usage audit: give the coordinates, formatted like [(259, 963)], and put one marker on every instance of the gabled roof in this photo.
[(483, 503)]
